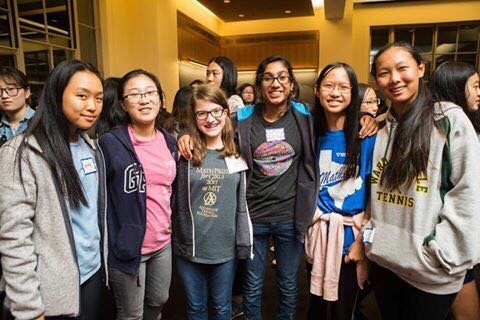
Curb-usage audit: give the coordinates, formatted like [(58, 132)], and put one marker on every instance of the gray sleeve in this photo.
[(456, 244), (17, 211)]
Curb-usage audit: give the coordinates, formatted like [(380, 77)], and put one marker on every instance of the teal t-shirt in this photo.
[(86, 232), (213, 194)]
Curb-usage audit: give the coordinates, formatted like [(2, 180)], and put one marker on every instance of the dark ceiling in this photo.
[(258, 9)]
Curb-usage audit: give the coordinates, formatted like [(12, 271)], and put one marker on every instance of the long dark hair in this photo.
[(229, 79), (448, 84), (411, 143), (123, 117), (181, 110), (50, 128), (263, 65), (108, 117), (351, 118)]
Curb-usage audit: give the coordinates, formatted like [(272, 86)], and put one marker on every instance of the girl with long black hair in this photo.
[(424, 233), (52, 202)]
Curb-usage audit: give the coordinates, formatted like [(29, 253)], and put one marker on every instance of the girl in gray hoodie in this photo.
[(423, 234)]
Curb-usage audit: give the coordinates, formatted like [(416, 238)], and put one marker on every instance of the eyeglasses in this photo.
[(268, 80), (247, 92), (372, 102), (136, 97), (216, 113), (11, 91), (329, 87)]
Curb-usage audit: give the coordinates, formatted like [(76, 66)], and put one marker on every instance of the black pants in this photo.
[(348, 289), (398, 300), (90, 295)]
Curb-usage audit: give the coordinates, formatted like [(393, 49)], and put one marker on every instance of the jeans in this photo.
[(143, 297), (203, 280), (288, 251)]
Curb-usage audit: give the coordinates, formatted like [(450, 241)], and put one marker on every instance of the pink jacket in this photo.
[(324, 251)]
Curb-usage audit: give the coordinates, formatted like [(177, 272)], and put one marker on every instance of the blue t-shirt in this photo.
[(86, 232), (351, 196), (8, 132)]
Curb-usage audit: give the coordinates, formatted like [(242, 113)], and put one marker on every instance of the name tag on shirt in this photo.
[(235, 164), (275, 134), (368, 234), (88, 165)]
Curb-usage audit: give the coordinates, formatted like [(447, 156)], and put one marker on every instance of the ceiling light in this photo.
[(317, 3), (241, 15), (288, 11), (226, 1)]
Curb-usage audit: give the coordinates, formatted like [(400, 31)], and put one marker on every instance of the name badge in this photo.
[(275, 134), (88, 165), (235, 164), (368, 234)]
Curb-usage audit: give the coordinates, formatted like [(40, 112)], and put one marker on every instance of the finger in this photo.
[(347, 258)]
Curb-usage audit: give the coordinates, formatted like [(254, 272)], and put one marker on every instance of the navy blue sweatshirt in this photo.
[(126, 198)]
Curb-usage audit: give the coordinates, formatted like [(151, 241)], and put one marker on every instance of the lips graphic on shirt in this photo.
[(273, 158)]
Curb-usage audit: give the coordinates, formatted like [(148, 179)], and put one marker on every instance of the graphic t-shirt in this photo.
[(160, 171), (86, 232), (213, 194), (276, 148), (349, 197)]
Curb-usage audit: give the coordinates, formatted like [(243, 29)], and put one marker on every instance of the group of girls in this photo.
[(77, 212)]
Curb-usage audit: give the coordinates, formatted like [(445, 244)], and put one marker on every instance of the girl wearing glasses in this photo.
[(52, 213), (458, 82), (140, 162), (370, 102), (247, 92), (211, 225), (333, 246), (423, 234), (222, 73), (14, 94)]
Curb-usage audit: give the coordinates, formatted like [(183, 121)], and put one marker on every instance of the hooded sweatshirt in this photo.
[(428, 241)]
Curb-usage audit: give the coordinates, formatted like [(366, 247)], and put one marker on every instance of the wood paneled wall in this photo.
[(198, 44)]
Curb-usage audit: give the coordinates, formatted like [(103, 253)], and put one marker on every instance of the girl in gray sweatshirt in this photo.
[(423, 234)]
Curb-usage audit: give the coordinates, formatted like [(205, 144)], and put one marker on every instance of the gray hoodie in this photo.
[(428, 242), (36, 239)]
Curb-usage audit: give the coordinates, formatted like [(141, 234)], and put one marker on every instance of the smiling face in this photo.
[(82, 101), (398, 75), (211, 127), (276, 93), (370, 102), (472, 93), (13, 104), (214, 74), (141, 100), (334, 92)]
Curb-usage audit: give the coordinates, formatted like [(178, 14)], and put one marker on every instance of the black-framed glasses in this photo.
[(136, 97), (216, 113), (283, 79), (11, 91), (372, 102)]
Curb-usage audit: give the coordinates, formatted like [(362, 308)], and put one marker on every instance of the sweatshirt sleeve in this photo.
[(455, 245), (17, 212)]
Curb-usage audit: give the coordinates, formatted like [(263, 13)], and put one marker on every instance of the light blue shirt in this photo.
[(86, 232), (7, 130)]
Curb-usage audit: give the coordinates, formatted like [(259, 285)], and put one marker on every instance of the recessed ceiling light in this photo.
[(241, 15), (226, 1), (288, 11)]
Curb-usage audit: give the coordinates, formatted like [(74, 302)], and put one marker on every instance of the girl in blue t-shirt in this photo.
[(334, 252)]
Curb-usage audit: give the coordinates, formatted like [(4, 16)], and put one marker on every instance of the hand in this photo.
[(42, 317), (185, 147), (368, 126), (356, 252)]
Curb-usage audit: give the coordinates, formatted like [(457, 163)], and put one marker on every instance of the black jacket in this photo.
[(308, 171)]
